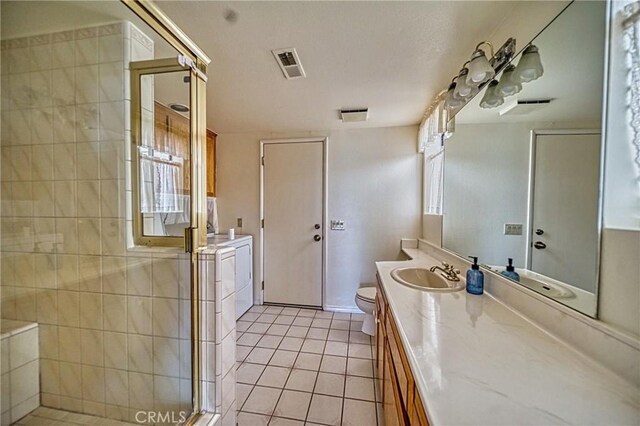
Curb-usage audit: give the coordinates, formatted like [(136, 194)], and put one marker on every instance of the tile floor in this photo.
[(304, 367), (43, 416)]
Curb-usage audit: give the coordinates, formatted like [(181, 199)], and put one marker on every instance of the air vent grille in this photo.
[(351, 115), (289, 63)]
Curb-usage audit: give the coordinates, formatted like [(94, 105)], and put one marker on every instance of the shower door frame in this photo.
[(195, 239)]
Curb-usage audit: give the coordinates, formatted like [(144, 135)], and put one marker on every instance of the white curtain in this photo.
[(632, 32), (433, 131), (433, 182), (160, 187)]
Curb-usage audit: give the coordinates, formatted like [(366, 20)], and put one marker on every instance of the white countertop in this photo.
[(500, 369), (223, 239)]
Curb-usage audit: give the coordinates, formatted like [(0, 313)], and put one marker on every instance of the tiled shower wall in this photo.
[(114, 323)]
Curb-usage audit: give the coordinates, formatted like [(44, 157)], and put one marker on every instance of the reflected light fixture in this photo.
[(491, 98), (451, 100), (463, 89), (530, 67), (508, 85), (480, 70)]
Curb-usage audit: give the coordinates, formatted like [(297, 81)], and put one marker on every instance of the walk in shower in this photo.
[(92, 324)]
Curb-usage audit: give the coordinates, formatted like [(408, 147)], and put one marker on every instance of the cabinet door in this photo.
[(391, 403)]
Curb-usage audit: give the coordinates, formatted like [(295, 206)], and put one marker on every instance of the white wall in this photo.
[(374, 186)]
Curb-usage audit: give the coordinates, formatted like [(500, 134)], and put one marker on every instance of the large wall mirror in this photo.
[(522, 178)]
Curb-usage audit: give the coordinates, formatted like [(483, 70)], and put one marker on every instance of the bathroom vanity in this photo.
[(446, 358)]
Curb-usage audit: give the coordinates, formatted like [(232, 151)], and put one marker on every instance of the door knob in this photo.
[(317, 237), (317, 226), (539, 245), (539, 231)]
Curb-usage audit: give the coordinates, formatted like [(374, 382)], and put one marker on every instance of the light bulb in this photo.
[(491, 98), (508, 85), (451, 100), (480, 70), (463, 90), (530, 67)]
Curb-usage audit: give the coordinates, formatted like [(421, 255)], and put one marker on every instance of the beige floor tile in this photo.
[(249, 339), (318, 333), (293, 405), (281, 421), (297, 331), (338, 335), (274, 310), (360, 367), (358, 317), (339, 325), (308, 361), (242, 392), (260, 355), (267, 318), (290, 311), (302, 321), (284, 358), (329, 384), (250, 419), (257, 309), (320, 323), (249, 373), (258, 328), (242, 326), (262, 400), (336, 348), (242, 352), (358, 413), (278, 330), (359, 337), (291, 343), (269, 341), (355, 325), (333, 364), (357, 350), (341, 316), (274, 377), (313, 346), (307, 313), (324, 314), (301, 380), (284, 319), (359, 388), (250, 316), (325, 410)]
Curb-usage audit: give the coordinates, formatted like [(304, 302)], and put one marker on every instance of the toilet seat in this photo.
[(367, 294)]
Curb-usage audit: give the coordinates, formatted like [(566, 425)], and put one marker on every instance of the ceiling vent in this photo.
[(522, 107), (352, 115), (289, 63)]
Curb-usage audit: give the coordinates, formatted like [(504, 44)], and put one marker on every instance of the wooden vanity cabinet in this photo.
[(401, 402)]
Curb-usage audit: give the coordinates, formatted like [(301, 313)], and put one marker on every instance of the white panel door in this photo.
[(293, 223), (565, 208)]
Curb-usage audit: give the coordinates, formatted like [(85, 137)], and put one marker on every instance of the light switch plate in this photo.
[(512, 229), (337, 225)]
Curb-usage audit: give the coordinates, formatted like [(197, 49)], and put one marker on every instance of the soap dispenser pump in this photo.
[(510, 272), (475, 278)]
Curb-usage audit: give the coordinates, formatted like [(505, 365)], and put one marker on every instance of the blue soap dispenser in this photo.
[(510, 272), (475, 278)]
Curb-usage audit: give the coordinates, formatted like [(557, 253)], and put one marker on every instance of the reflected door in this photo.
[(293, 223), (565, 208)]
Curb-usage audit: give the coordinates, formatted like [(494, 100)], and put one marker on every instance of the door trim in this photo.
[(531, 188), (258, 290)]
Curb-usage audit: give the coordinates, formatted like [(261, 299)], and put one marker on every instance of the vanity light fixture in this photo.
[(480, 70), (463, 89), (508, 85), (452, 101), (530, 67), (491, 98)]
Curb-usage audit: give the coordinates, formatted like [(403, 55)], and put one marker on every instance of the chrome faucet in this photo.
[(448, 272)]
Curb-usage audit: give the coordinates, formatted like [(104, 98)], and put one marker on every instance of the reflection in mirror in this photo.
[(164, 153), (522, 172)]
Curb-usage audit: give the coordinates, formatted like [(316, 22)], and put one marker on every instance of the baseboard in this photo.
[(345, 309)]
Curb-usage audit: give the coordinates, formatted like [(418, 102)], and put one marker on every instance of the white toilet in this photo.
[(366, 301)]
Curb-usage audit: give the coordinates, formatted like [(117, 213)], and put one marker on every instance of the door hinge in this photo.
[(263, 285), (190, 235), (262, 223), (262, 160)]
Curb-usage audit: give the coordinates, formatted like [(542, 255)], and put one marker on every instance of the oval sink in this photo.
[(424, 279)]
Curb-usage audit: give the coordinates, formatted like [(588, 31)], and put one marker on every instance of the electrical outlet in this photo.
[(239, 224), (512, 229), (337, 225)]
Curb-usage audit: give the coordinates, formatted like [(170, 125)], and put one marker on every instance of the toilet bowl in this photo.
[(366, 301)]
